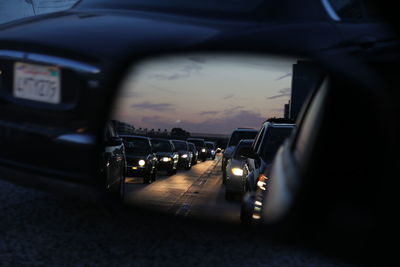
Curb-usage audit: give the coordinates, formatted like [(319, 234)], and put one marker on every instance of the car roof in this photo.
[(279, 125), (134, 136), (245, 130), (246, 141), (175, 140), (160, 139)]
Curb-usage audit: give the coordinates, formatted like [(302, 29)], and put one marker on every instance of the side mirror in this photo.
[(114, 141), (247, 152)]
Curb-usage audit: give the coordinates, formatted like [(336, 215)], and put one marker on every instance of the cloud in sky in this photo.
[(225, 124), (284, 76), (184, 72), (204, 113), (228, 96), (285, 92), (154, 106)]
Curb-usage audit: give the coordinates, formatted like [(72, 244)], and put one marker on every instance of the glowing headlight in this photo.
[(237, 171), (184, 156), (212, 151), (166, 159), (203, 150), (142, 162)]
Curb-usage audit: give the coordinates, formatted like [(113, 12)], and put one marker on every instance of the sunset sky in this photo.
[(205, 93)]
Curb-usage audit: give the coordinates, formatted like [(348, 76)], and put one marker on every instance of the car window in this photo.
[(239, 135), (161, 145), (258, 139), (136, 145), (210, 145), (273, 140), (197, 142), (180, 145), (238, 147)]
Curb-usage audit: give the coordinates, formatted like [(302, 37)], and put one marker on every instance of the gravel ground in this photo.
[(39, 229)]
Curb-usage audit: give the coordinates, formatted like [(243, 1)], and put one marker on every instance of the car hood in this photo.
[(164, 154), (98, 34), (132, 156)]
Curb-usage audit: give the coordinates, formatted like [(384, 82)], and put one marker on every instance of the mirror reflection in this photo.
[(199, 131)]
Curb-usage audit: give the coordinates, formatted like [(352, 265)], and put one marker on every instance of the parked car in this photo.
[(237, 171), (113, 164), (167, 155), (140, 158), (237, 135), (200, 146), (211, 149), (185, 155), (259, 160), (192, 148)]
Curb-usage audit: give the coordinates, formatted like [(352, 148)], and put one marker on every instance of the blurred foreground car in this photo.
[(185, 155), (237, 171), (140, 159), (167, 155)]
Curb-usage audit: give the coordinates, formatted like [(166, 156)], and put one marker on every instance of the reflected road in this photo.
[(198, 193)]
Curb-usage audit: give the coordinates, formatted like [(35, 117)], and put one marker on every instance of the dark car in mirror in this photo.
[(141, 160), (167, 155)]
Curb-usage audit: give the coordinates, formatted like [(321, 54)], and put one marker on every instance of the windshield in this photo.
[(191, 147), (228, 7), (272, 141), (161, 145), (240, 145), (210, 145), (137, 146), (198, 142), (239, 135), (180, 145)]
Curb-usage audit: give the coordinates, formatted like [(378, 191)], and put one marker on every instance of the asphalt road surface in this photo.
[(197, 193), (38, 228)]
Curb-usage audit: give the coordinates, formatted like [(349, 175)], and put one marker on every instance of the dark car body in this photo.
[(267, 142), (237, 135), (200, 146), (237, 171), (140, 159), (185, 155), (211, 146), (167, 155), (192, 148)]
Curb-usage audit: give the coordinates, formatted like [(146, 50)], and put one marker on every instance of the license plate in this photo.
[(37, 83)]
